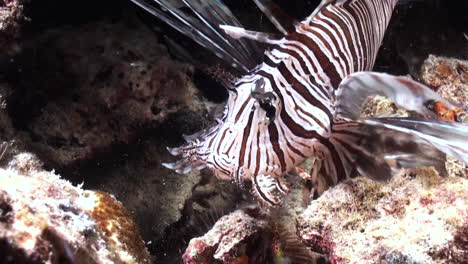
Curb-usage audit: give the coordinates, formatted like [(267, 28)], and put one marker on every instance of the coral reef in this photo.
[(381, 106), (155, 196), (418, 216), (448, 76), (100, 102), (90, 87), (226, 241), (247, 235), (44, 218), (105, 99), (417, 208)]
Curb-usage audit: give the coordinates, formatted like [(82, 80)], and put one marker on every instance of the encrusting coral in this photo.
[(449, 77), (249, 235), (418, 214), (44, 218), (226, 241)]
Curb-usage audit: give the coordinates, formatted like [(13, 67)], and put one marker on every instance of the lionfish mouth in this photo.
[(191, 158), (194, 153)]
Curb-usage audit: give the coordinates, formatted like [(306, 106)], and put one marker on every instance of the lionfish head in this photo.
[(236, 147)]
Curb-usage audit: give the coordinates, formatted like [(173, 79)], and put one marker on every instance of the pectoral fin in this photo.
[(404, 92)]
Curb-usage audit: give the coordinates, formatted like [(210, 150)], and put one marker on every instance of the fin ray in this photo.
[(277, 17), (448, 137), (237, 33), (214, 15), (404, 92), (378, 151), (242, 54)]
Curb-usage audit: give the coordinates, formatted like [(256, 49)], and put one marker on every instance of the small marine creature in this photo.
[(303, 100), (444, 112)]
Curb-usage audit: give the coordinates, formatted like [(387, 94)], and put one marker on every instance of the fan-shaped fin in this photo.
[(203, 28), (378, 151), (378, 147), (448, 137), (275, 14), (404, 92)]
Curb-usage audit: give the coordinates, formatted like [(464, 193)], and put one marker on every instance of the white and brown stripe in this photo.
[(302, 71)]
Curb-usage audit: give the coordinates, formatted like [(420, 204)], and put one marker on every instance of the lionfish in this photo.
[(304, 99)]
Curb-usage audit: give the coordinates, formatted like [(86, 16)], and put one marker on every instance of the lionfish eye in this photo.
[(265, 99), (269, 109)]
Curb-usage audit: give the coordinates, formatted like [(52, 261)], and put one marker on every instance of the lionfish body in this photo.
[(294, 105)]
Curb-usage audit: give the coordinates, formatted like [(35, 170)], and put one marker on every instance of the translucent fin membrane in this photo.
[(400, 142), (448, 137), (275, 14), (203, 28), (377, 148), (404, 92)]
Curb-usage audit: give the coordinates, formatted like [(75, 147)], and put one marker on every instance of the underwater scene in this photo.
[(234, 132)]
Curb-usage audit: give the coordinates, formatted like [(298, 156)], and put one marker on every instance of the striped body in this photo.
[(301, 73), (305, 99)]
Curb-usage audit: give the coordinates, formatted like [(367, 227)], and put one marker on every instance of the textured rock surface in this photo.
[(249, 235), (381, 106), (101, 102), (227, 240), (418, 215), (153, 194), (46, 219), (448, 76), (84, 89)]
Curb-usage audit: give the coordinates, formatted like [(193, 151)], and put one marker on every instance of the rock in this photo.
[(417, 214), (90, 87), (381, 106), (397, 258), (449, 77), (226, 241), (91, 100), (100, 102), (154, 195), (44, 218), (249, 235), (456, 168)]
